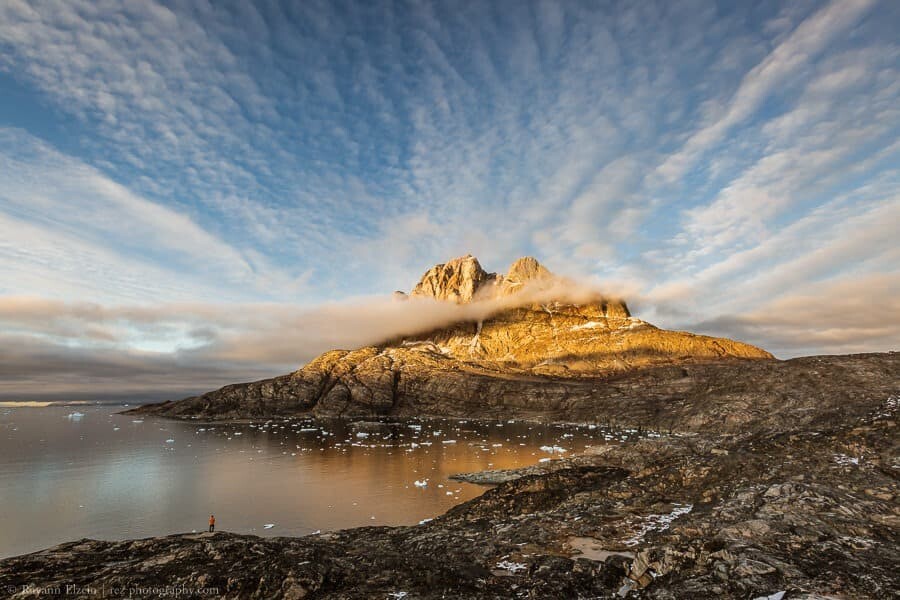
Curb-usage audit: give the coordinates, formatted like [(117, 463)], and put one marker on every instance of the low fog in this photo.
[(53, 350), (82, 350)]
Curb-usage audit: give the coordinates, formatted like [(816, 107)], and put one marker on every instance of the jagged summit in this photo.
[(458, 280), (525, 269), (463, 280)]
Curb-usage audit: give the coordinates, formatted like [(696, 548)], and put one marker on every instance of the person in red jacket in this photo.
[(212, 523)]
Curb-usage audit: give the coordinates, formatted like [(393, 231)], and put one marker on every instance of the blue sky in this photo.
[(168, 169)]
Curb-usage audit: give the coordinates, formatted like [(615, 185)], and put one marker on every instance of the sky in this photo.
[(193, 193)]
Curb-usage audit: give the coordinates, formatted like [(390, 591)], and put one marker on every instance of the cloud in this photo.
[(793, 53), (854, 314), (240, 170), (52, 346), (62, 219)]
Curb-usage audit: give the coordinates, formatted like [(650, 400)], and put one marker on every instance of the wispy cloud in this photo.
[(710, 160)]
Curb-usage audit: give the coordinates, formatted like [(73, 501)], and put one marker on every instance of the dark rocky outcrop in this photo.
[(698, 397)]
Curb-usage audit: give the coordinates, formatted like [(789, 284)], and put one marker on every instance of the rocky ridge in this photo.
[(543, 346)]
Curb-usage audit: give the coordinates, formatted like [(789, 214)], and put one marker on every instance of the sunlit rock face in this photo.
[(457, 280), (557, 329), (538, 343)]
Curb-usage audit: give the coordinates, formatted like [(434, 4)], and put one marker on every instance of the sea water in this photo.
[(70, 472)]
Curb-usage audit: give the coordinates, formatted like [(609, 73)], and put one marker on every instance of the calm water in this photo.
[(109, 476)]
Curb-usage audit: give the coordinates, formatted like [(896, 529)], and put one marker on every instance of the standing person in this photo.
[(212, 523)]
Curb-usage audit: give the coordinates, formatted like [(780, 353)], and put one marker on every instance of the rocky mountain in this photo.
[(530, 342)]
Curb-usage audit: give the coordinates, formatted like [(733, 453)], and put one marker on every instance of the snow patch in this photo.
[(843, 459), (512, 567), (588, 325), (658, 523), (775, 596)]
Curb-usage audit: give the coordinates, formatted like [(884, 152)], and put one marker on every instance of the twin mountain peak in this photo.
[(463, 281)]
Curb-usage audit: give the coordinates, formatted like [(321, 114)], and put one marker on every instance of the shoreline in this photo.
[(713, 516), (794, 490)]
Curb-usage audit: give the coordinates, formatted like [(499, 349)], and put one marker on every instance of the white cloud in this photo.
[(68, 229), (302, 154), (809, 39)]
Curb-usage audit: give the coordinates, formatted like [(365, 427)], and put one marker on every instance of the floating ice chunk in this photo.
[(553, 449), (115, 428), (308, 429), (543, 460), (398, 595), (268, 525), (421, 484), (138, 421), (423, 521), (75, 416), (170, 441), (362, 434), (448, 441)]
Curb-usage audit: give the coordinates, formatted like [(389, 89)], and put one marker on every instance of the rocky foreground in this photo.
[(793, 495)]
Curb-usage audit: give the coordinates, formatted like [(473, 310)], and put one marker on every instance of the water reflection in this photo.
[(99, 474)]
